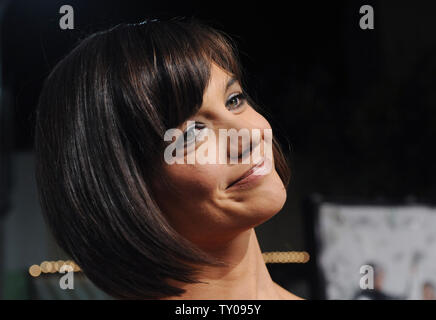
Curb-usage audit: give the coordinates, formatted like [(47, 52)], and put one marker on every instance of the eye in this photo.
[(235, 101), (192, 133)]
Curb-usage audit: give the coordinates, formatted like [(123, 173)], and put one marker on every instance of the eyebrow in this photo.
[(230, 82)]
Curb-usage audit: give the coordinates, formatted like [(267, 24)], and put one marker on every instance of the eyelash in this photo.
[(200, 126), (241, 96), (197, 126)]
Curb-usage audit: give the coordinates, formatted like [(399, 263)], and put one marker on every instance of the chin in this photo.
[(266, 200)]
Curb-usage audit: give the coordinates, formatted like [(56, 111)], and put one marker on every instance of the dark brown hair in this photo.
[(100, 122)]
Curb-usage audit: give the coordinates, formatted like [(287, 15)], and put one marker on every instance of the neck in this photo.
[(246, 276)]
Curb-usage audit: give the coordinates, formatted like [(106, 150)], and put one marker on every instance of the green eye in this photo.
[(235, 101), (192, 133)]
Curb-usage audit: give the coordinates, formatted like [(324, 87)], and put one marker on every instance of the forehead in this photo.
[(215, 91), (218, 79)]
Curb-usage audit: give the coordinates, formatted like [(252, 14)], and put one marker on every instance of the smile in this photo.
[(254, 174)]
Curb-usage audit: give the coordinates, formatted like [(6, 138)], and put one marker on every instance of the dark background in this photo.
[(357, 107)]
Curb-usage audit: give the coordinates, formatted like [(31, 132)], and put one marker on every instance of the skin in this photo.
[(379, 279), (428, 293), (218, 219)]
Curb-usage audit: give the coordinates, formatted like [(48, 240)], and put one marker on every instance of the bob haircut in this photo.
[(100, 123)]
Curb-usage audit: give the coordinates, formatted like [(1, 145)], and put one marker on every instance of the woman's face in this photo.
[(204, 203)]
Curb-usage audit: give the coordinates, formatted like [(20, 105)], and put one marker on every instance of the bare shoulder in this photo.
[(286, 294)]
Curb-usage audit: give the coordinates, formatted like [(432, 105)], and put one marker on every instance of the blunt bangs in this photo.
[(100, 122)]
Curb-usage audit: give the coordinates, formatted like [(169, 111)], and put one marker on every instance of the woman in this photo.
[(141, 227)]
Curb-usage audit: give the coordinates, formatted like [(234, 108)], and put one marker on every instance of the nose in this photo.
[(243, 138)]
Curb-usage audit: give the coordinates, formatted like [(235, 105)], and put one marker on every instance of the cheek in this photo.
[(188, 200), (256, 120), (189, 192), (270, 197), (194, 180), (259, 204)]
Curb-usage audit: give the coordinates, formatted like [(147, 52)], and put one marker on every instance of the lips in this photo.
[(254, 171)]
